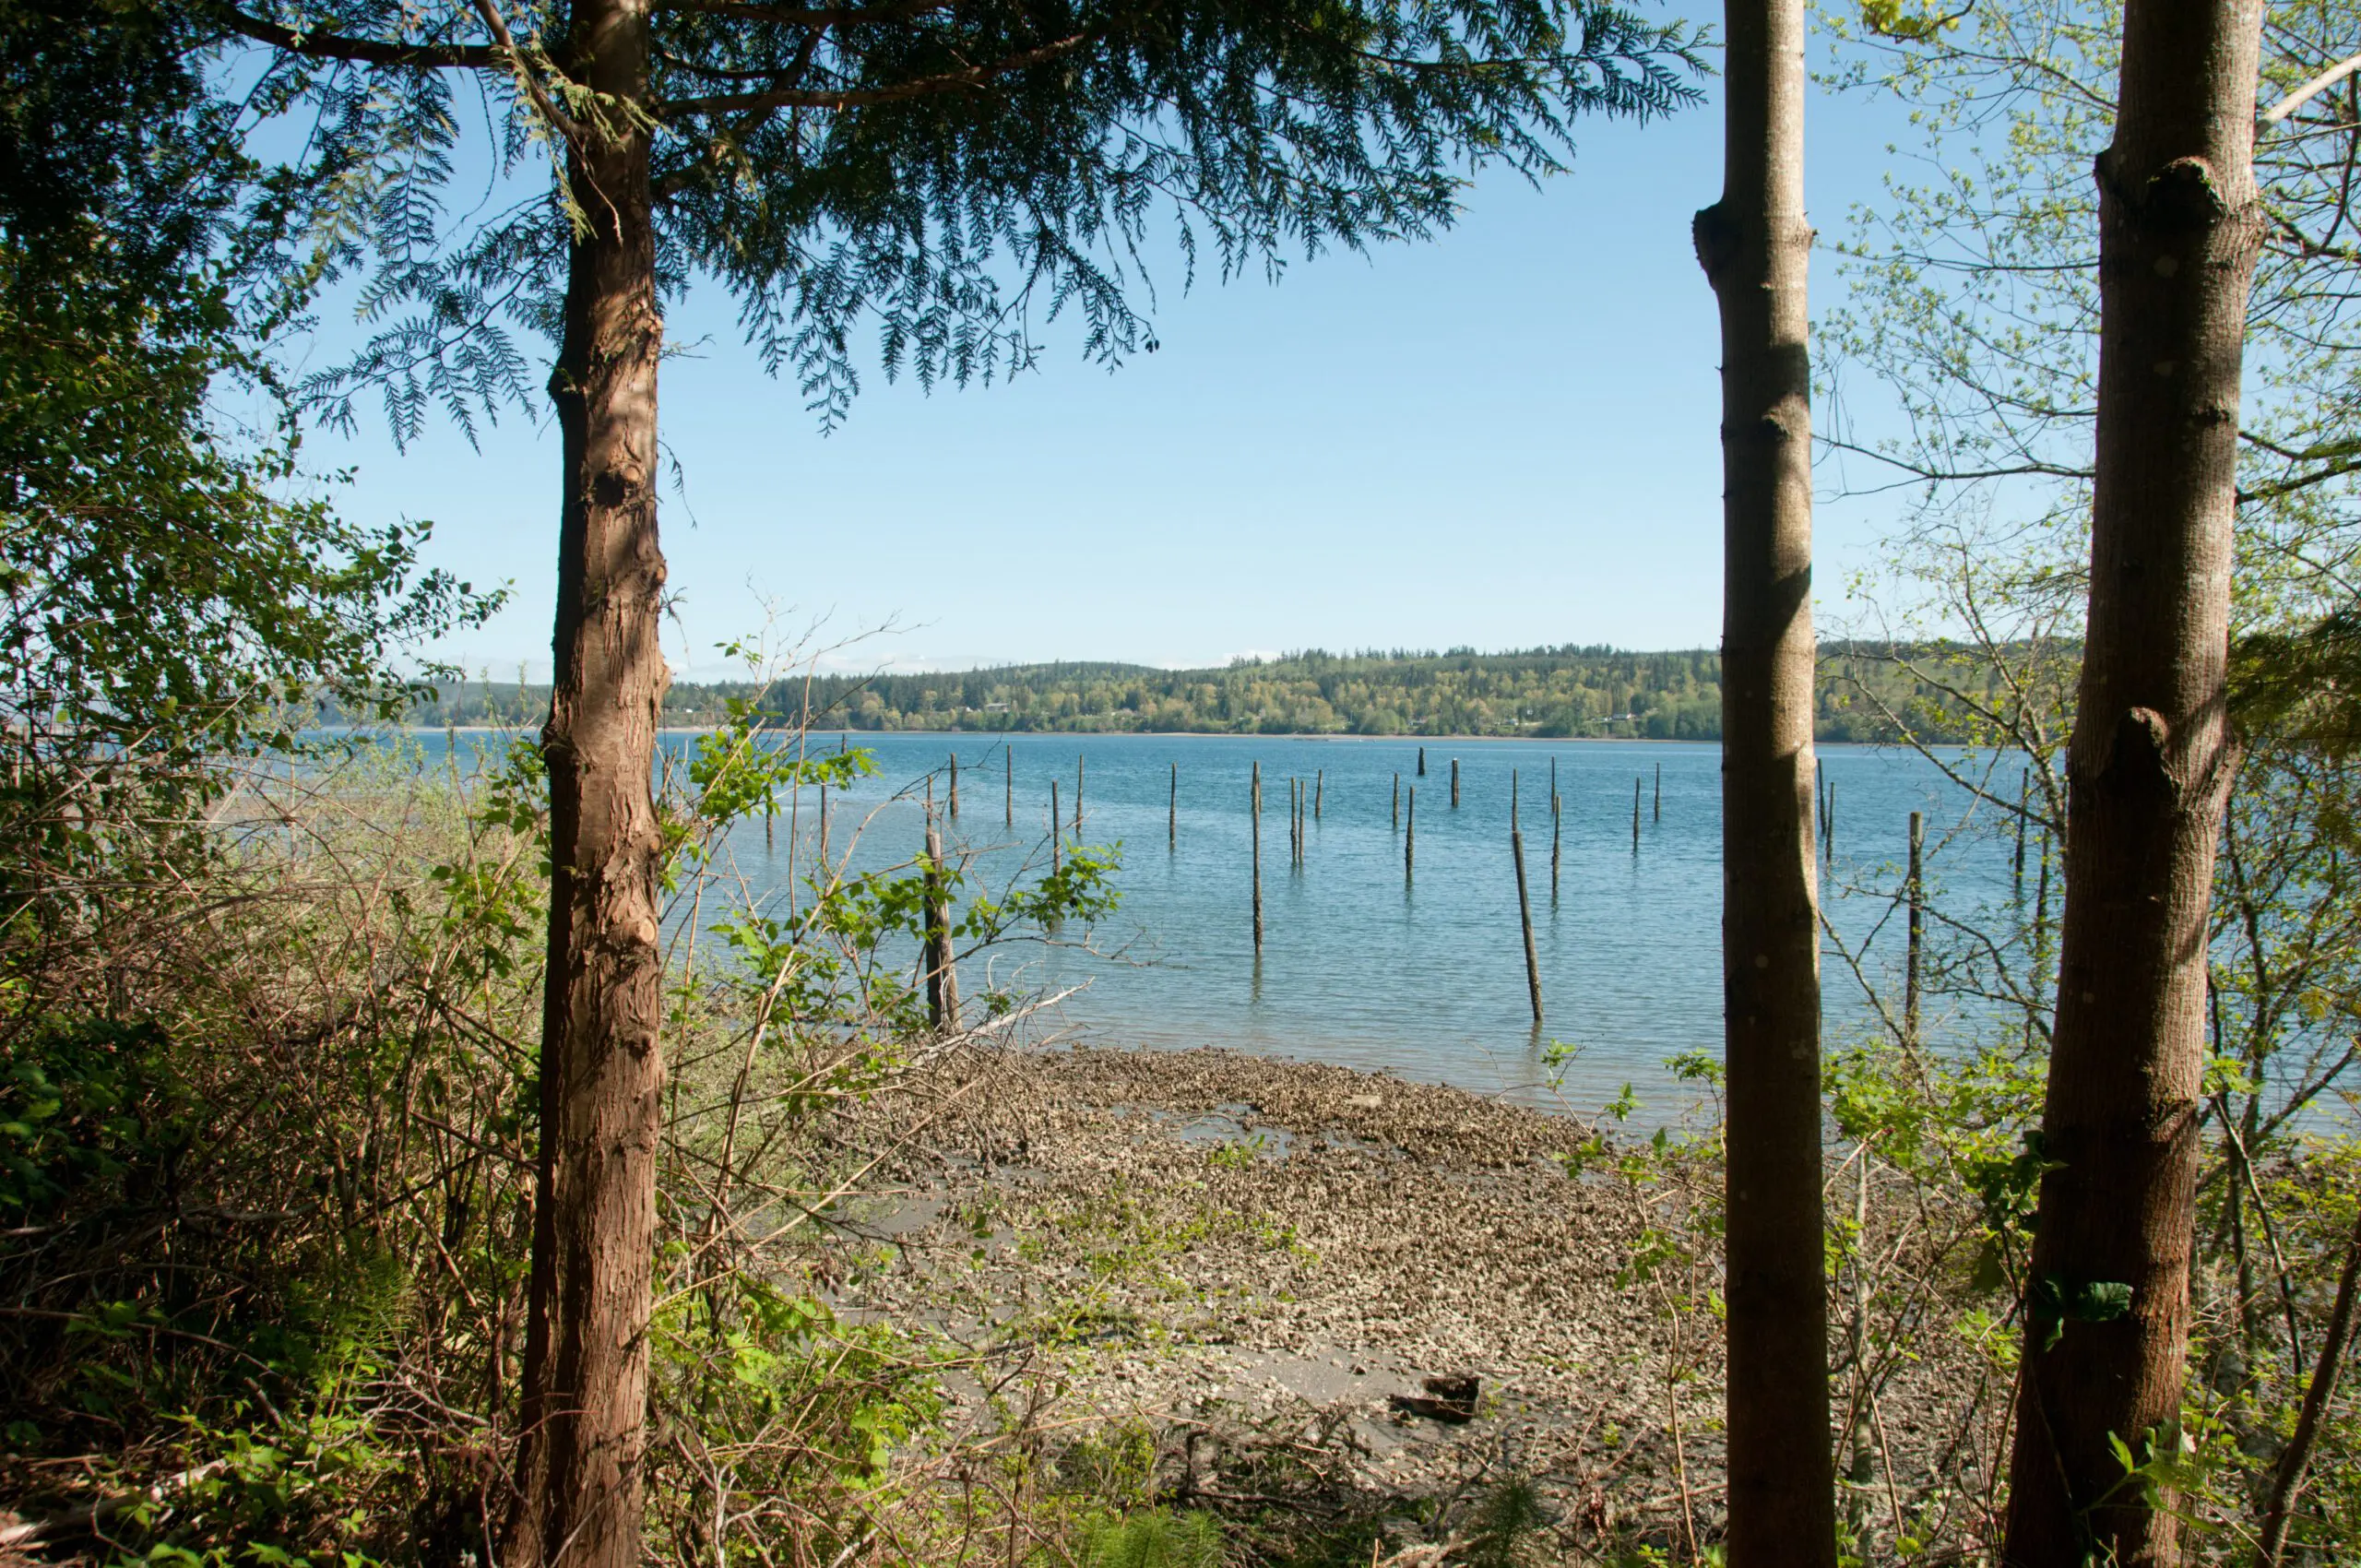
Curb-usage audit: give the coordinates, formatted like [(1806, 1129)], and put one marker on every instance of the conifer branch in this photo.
[(362, 51), (919, 87)]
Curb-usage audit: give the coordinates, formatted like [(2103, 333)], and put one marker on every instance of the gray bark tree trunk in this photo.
[(585, 1376), (2148, 768), (1755, 244)]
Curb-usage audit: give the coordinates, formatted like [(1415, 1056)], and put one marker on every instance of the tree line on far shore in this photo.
[(1865, 690)]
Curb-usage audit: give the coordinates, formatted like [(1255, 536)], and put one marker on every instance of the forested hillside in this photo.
[(1549, 691)]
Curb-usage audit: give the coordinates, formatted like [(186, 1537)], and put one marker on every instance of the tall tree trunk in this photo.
[(584, 1389), (1755, 245), (2147, 771)]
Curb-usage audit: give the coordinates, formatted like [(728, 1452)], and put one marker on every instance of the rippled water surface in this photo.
[(1423, 972)]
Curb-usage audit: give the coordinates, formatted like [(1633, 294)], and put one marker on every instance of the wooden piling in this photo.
[(1915, 888), (1411, 836), (2041, 916), (2025, 803), (1172, 813), (954, 786), (1397, 802), (1455, 783), (1008, 786), (1255, 811), (1295, 821), (1635, 814), (942, 977), (1524, 904), (1422, 762), (1829, 825), (1054, 827), (1659, 806), (1557, 841), (1319, 793), (827, 871), (1077, 794)]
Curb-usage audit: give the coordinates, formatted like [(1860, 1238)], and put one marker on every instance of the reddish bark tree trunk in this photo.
[(1755, 244), (584, 1389), (2148, 768)]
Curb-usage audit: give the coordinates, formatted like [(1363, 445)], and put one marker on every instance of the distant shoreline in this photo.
[(997, 735)]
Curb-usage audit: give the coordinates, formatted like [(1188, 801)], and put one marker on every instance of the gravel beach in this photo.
[(1204, 1239)]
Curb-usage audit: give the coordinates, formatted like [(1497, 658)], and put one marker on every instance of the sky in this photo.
[(1500, 438)]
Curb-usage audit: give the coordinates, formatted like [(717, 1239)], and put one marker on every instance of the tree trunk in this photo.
[(2147, 771), (1755, 245), (585, 1378)]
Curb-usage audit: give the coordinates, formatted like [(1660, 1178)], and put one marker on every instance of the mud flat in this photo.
[(1208, 1241)]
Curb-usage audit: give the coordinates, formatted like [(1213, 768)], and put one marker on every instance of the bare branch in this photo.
[(365, 51)]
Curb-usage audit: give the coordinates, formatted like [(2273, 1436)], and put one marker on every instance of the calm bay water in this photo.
[(1425, 973)]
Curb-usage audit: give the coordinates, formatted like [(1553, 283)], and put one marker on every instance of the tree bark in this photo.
[(2148, 768), (1755, 245), (584, 1389)]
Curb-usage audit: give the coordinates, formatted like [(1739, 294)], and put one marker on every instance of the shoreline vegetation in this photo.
[(1871, 693)]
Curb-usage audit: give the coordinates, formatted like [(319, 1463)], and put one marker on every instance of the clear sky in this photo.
[(1501, 438)]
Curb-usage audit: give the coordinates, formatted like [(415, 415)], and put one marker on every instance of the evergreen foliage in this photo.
[(1566, 691), (954, 176)]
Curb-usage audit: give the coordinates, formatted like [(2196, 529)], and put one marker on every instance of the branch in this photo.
[(366, 50), (800, 17), (559, 120), (920, 86), (2311, 89), (2289, 1475)]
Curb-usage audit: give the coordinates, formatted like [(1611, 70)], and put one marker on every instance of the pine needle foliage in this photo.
[(956, 177)]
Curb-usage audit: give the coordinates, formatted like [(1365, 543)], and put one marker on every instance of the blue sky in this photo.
[(1500, 438)]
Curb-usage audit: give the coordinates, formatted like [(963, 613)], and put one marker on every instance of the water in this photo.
[(1422, 974)]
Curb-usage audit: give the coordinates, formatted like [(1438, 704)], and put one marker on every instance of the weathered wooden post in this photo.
[(1455, 783), (1256, 812), (942, 978), (2025, 803), (1077, 794), (1524, 904), (1917, 932), (1659, 805), (954, 786), (1635, 815), (2041, 918), (1008, 788), (1397, 802), (1172, 813), (1411, 836), (1422, 762), (1054, 827), (825, 864), (1319, 793), (1830, 826), (1557, 841), (1295, 842)]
